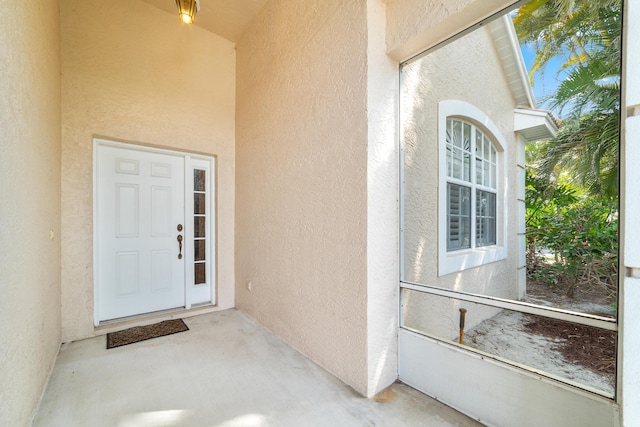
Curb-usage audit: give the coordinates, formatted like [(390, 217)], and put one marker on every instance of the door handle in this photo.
[(180, 245)]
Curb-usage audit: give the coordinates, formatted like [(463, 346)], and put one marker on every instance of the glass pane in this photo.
[(200, 273), (199, 202), (493, 177), (485, 149), (487, 174), (465, 201), (577, 353), (467, 137), (467, 167), (485, 218), (493, 232), (449, 142), (199, 226), (485, 232), (453, 241), (199, 252), (199, 180), (465, 235), (492, 205), (453, 197), (478, 170), (457, 163), (481, 203), (480, 231), (459, 217), (457, 134), (453, 217)]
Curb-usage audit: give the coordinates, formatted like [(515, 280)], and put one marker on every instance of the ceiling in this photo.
[(226, 18)]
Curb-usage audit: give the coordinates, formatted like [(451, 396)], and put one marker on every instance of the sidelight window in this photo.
[(199, 226)]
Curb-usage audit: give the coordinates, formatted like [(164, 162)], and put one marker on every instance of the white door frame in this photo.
[(193, 294)]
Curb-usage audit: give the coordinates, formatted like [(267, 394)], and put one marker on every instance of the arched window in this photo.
[(471, 186), (472, 204)]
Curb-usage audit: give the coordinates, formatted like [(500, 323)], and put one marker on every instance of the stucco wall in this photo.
[(301, 180), (382, 204), (133, 72), (29, 204), (465, 70), (415, 25)]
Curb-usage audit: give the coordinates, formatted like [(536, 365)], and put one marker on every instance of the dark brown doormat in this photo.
[(142, 333)]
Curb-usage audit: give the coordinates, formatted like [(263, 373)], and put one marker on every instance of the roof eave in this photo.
[(534, 125)]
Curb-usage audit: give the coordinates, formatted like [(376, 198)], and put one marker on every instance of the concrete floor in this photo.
[(225, 371)]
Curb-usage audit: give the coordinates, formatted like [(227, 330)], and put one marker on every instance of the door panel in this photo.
[(161, 270), (127, 274), (140, 202), (161, 211), (127, 213)]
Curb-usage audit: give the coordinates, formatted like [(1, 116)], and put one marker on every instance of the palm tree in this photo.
[(586, 35)]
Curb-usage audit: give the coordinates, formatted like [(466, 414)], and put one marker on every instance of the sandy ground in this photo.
[(504, 335)]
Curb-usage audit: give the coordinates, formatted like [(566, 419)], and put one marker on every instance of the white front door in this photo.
[(140, 220)]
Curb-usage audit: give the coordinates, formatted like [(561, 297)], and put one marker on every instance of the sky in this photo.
[(545, 83)]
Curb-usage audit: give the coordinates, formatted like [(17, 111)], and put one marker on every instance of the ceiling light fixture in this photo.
[(187, 10)]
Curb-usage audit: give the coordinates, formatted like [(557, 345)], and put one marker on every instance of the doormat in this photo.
[(142, 333)]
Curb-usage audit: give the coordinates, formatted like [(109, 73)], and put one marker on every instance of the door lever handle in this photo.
[(180, 245)]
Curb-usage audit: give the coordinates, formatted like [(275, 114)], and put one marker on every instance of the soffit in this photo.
[(226, 18), (508, 48)]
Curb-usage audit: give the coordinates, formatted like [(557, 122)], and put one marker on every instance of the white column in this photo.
[(629, 354)]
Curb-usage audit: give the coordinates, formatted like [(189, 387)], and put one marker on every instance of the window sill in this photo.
[(454, 262)]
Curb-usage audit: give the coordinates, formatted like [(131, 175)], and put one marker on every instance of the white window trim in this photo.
[(456, 261)]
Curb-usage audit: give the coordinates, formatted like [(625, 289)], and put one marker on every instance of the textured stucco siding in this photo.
[(467, 70), (29, 204), (133, 72), (382, 204), (301, 180), (415, 25)]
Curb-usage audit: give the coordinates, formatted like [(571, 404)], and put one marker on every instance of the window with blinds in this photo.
[(471, 187)]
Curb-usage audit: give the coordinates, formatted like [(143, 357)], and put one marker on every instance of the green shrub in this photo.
[(571, 239)]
